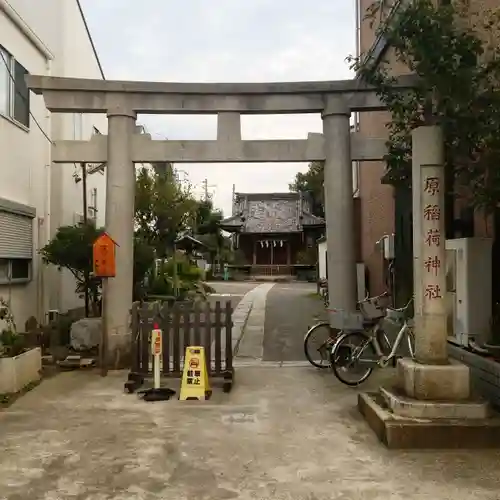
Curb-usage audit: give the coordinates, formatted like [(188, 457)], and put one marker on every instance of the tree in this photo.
[(209, 232), (71, 249), (311, 182), (164, 207), (455, 52)]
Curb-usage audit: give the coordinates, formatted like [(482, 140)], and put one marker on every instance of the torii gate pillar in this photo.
[(339, 209), (120, 195)]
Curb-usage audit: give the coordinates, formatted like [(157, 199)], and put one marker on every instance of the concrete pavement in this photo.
[(252, 334), (282, 433), (286, 431)]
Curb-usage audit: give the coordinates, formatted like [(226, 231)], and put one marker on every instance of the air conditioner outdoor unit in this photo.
[(468, 289), (78, 218), (52, 315)]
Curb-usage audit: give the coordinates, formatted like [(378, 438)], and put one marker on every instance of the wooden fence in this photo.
[(183, 324)]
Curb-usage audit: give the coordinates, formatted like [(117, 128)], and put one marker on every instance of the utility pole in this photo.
[(206, 194), (86, 275), (205, 187), (233, 197)]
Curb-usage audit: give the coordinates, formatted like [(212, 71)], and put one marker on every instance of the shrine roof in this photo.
[(271, 213)]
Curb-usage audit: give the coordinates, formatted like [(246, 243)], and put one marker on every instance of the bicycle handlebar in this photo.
[(381, 296)]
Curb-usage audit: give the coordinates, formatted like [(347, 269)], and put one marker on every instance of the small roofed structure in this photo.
[(190, 244), (274, 230)]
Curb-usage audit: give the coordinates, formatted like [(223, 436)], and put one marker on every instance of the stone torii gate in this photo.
[(122, 147)]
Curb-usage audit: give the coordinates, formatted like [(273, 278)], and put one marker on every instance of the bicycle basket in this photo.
[(372, 308), (345, 321)]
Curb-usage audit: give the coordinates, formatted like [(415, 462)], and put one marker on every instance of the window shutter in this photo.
[(16, 236)]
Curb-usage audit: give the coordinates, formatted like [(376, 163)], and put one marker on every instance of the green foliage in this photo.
[(12, 343), (207, 218), (164, 207), (185, 269), (312, 182), (71, 248), (309, 256), (178, 271), (208, 231), (456, 54)]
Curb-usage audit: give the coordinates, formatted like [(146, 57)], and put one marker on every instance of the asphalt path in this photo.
[(291, 309)]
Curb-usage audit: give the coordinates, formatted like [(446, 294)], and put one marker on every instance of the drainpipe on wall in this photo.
[(356, 114), (44, 223)]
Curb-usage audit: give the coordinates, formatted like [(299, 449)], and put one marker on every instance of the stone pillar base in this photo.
[(431, 407), (449, 382)]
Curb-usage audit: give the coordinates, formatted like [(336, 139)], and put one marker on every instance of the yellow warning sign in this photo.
[(156, 345), (195, 384)]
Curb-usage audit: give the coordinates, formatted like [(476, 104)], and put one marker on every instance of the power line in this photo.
[(9, 72)]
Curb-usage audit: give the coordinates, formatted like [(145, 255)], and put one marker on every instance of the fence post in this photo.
[(207, 340), (218, 334), (229, 336), (166, 324), (175, 315), (134, 352)]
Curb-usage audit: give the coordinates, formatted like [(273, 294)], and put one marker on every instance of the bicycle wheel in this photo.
[(347, 358), (318, 342)]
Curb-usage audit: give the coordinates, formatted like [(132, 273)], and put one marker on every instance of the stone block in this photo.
[(403, 406), (449, 382), (397, 432), (85, 334)]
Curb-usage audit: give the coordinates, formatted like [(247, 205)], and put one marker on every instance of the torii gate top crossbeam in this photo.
[(78, 95)]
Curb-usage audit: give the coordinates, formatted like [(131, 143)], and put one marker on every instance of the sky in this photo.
[(226, 41)]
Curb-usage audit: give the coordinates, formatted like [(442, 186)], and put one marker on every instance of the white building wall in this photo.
[(79, 62), (26, 173)]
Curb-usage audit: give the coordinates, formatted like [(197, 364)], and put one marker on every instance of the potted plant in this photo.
[(19, 366)]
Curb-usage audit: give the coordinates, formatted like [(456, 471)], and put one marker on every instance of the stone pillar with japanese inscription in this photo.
[(430, 406), (429, 234)]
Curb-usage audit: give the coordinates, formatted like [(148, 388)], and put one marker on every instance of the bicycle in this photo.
[(345, 355), (372, 311)]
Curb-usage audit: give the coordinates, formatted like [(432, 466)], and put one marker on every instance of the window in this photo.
[(15, 271), (20, 269), (4, 82), (16, 246), (14, 93)]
